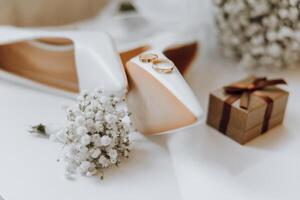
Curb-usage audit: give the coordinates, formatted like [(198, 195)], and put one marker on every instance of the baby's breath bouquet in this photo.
[(96, 135), (260, 32)]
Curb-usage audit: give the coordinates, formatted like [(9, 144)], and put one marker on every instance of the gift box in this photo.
[(247, 108)]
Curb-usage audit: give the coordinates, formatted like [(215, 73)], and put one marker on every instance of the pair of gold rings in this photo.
[(160, 65)]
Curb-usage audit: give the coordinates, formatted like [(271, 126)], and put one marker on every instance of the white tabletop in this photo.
[(198, 163)]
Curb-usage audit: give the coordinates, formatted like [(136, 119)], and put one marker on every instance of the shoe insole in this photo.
[(53, 68)]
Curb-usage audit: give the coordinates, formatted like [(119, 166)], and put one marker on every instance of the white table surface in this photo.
[(197, 163)]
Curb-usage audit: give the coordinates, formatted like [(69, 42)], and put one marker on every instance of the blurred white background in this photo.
[(198, 163)]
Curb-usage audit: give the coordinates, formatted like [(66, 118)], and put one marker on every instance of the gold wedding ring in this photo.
[(148, 57), (160, 65), (163, 65)]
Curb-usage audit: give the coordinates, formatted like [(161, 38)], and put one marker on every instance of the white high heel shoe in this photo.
[(159, 98), (72, 61), (161, 102), (61, 61)]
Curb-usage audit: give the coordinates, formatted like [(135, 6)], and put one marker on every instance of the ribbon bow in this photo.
[(245, 90)]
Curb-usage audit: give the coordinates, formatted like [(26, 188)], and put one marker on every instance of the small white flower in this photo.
[(257, 40), (285, 32), (97, 142), (121, 113), (95, 105), (82, 149), (99, 127), (99, 116), (52, 129), (293, 14), (105, 140), (283, 13), (61, 136), (271, 36), (81, 130), (95, 137), (91, 173), (113, 160), (90, 114), (79, 120), (116, 99), (103, 99), (85, 139), (80, 157), (70, 151), (274, 50), (103, 161), (84, 166), (113, 154), (110, 118), (96, 153), (88, 109), (90, 123)]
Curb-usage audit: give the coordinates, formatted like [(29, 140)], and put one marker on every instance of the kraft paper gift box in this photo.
[(247, 108)]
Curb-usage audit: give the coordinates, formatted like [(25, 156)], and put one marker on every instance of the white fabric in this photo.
[(197, 163)]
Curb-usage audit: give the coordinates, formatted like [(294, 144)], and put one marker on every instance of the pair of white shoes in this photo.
[(67, 62)]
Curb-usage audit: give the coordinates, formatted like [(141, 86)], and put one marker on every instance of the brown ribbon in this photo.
[(243, 92)]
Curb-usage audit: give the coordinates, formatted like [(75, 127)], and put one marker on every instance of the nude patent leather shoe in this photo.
[(61, 61), (159, 102), (176, 46)]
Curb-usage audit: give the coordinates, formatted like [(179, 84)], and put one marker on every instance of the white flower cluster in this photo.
[(260, 32), (96, 134)]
